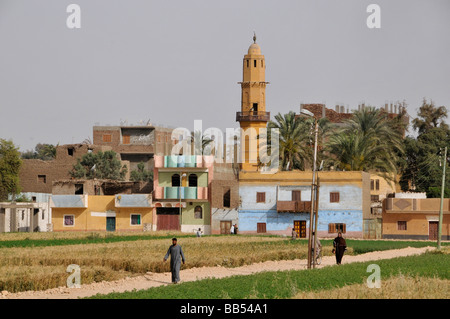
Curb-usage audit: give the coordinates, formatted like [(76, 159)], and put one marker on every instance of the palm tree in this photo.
[(294, 150), (205, 142), (370, 141)]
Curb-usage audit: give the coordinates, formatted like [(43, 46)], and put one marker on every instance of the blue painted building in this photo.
[(275, 203)]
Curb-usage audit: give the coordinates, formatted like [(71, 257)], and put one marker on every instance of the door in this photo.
[(2, 220), (168, 218), (296, 196), (300, 228), (225, 226), (433, 230), (110, 223), (261, 227), (36, 219)]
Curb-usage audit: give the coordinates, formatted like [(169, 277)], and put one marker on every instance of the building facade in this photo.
[(413, 217), (123, 212), (276, 203), (182, 193)]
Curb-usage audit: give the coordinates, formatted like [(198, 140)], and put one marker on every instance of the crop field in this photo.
[(38, 261), (423, 276)]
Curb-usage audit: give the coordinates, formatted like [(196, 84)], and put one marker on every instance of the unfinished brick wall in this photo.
[(38, 175)]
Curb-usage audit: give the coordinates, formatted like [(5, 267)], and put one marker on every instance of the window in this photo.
[(372, 185), (192, 180), (42, 179), (334, 197), (247, 63), (79, 189), (107, 138), (296, 196), (254, 63), (227, 198), (261, 227), (176, 182), (198, 212), (376, 210), (43, 214), (374, 198), (69, 220), (135, 219), (70, 151), (401, 225), (336, 227), (377, 184), (260, 197), (126, 139), (255, 107)]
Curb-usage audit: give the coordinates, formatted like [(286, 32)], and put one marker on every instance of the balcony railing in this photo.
[(252, 116), (293, 206), (185, 192)]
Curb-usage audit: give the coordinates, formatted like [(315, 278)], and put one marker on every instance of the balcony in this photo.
[(293, 206), (184, 161), (252, 116), (186, 193)]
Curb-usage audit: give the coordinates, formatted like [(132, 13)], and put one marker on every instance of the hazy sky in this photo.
[(180, 60)]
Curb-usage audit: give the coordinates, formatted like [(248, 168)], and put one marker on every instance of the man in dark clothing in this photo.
[(339, 247), (176, 256)]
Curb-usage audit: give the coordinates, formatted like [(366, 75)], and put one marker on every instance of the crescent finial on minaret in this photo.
[(254, 37)]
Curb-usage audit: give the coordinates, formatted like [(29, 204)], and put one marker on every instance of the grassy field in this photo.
[(38, 261), (401, 277)]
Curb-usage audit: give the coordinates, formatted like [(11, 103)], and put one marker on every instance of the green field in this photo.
[(287, 284), (38, 261)]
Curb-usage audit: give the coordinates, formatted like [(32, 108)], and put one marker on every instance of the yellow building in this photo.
[(253, 115), (123, 212)]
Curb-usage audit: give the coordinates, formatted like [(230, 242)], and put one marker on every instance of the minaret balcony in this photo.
[(252, 116)]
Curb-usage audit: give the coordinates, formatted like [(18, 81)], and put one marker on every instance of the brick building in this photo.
[(135, 144), (38, 175)]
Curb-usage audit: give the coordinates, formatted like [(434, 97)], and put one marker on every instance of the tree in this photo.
[(101, 165), (10, 164), (294, 134), (423, 172), (370, 141), (430, 116), (43, 152), (141, 174)]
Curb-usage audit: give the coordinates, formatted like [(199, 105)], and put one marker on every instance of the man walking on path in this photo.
[(339, 247), (176, 256)]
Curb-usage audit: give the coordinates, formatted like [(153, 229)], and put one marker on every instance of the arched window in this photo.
[(192, 180), (176, 182), (198, 212)]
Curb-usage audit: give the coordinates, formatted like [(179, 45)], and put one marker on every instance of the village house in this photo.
[(122, 212), (413, 216), (276, 203)]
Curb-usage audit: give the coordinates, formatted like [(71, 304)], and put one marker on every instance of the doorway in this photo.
[(110, 223), (225, 226), (300, 228), (433, 230), (168, 218)]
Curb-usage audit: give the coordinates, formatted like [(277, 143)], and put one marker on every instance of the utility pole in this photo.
[(441, 210), (313, 197)]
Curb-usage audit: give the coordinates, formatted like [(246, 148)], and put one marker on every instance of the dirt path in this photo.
[(158, 279)]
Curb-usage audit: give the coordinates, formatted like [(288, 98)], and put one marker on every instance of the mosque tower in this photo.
[(253, 115)]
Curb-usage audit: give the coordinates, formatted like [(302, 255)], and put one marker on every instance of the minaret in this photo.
[(253, 115)]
